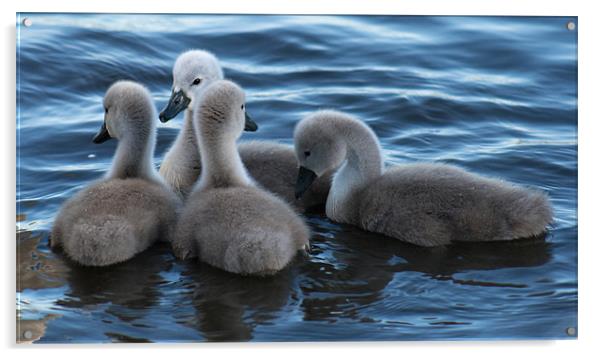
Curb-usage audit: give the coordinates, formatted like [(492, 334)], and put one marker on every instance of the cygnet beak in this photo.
[(102, 135), (177, 102), (304, 180), (250, 125)]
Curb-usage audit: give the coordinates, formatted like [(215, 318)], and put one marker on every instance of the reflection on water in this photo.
[(130, 288), (37, 269), (227, 306), (493, 95), (348, 270), (362, 265)]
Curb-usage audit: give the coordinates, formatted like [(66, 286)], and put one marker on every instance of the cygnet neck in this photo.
[(222, 165), (134, 155), (188, 141), (364, 157), (363, 163)]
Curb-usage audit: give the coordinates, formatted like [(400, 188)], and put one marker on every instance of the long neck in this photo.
[(134, 156), (187, 141), (184, 154), (222, 166), (364, 156), (364, 159), (363, 163)]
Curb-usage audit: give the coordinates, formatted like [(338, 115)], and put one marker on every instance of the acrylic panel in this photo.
[(496, 96)]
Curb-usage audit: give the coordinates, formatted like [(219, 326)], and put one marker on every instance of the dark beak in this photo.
[(250, 125), (177, 102), (305, 178), (102, 135)]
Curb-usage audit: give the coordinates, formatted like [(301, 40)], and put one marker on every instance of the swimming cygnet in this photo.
[(427, 204), (228, 222), (124, 213), (272, 165)]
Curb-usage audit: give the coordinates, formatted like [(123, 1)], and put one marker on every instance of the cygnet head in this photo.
[(221, 113), (193, 71), (129, 111), (319, 146)]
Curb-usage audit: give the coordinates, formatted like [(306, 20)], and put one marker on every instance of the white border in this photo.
[(427, 7), (589, 165)]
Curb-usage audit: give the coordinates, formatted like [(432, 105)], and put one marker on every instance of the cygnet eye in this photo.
[(196, 81), (106, 110), (307, 153), (242, 107)]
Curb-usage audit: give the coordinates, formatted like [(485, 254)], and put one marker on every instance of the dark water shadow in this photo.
[(395, 256), (228, 306), (351, 268), (131, 288), (347, 271)]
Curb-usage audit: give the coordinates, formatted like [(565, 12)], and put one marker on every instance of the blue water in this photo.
[(495, 95)]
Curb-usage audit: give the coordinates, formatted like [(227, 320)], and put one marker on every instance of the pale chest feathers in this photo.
[(340, 205)]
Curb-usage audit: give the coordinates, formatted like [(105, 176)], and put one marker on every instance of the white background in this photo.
[(590, 40)]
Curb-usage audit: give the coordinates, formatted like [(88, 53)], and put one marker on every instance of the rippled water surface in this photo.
[(495, 95)]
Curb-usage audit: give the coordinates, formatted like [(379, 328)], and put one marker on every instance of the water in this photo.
[(494, 95)]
